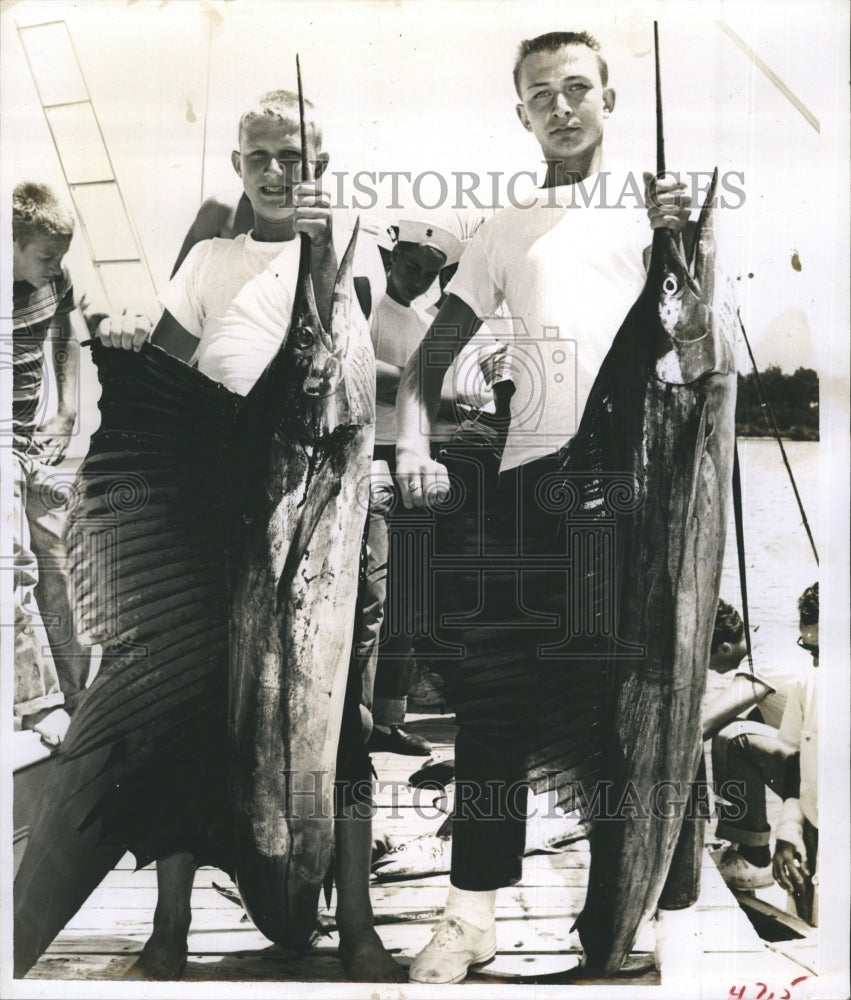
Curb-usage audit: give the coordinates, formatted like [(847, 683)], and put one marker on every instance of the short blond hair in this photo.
[(282, 105)]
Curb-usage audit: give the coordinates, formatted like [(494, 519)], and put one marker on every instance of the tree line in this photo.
[(794, 401)]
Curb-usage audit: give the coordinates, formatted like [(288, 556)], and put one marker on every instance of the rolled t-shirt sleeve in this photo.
[(181, 296), (473, 282)]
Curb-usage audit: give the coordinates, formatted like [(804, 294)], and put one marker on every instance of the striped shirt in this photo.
[(34, 309)]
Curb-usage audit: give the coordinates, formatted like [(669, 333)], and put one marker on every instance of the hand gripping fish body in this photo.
[(662, 412), (215, 546)]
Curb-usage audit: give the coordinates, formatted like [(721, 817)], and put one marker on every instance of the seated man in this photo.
[(748, 754), (796, 851)]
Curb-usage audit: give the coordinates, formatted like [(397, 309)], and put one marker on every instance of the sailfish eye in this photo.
[(670, 285), (303, 338)]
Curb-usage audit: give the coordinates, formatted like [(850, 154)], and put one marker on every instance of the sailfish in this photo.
[(661, 413), (662, 410), (215, 545)]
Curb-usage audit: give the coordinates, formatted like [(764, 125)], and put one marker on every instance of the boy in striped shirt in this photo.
[(46, 688)]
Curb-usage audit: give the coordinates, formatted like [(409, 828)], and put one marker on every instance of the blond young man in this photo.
[(212, 318)]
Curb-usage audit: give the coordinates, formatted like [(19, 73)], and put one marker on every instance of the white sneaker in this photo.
[(741, 874), (454, 947)]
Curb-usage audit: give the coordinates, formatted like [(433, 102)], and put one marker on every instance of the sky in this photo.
[(424, 87)]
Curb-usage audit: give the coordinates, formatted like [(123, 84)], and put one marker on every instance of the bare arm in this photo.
[(418, 399), (66, 364), (742, 694), (56, 431), (387, 378)]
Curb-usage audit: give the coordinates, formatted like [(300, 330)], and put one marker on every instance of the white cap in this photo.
[(429, 235)]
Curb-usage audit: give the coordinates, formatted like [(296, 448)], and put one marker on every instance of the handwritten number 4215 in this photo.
[(761, 991)]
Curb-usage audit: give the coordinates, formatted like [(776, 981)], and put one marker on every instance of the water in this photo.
[(779, 559)]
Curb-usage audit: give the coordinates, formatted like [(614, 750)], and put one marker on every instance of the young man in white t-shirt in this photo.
[(569, 267), (228, 309)]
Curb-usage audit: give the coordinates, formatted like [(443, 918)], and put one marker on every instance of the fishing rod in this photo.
[(765, 405), (738, 517), (660, 132)]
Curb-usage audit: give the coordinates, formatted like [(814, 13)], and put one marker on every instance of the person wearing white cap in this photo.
[(568, 272), (420, 250)]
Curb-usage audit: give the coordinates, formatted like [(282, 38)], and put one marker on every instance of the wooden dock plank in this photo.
[(533, 918)]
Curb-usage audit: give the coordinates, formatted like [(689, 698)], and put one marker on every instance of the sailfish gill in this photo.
[(662, 411)]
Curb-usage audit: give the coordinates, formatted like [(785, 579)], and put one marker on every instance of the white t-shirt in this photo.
[(799, 730), (396, 333), (236, 297), (568, 267), (782, 676)]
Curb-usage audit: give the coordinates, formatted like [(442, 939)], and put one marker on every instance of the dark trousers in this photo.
[(389, 618), (498, 708), (747, 758), (516, 708)]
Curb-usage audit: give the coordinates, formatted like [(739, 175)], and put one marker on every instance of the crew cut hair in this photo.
[(283, 106), (551, 42), (36, 211), (729, 626)]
